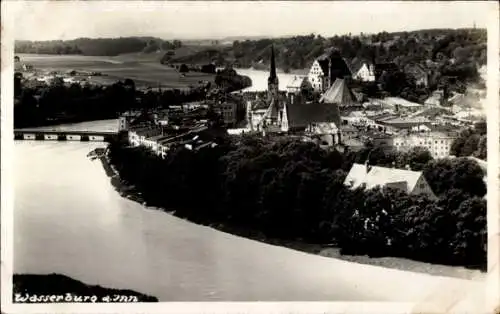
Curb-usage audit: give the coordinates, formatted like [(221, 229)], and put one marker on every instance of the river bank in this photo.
[(129, 192), (57, 288)]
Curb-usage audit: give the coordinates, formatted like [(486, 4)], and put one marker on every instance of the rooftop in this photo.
[(400, 101), (302, 114), (339, 94), (380, 176), (296, 82)]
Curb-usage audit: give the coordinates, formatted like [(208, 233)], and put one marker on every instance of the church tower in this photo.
[(272, 81)]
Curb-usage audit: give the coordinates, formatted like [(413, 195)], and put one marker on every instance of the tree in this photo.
[(177, 44), (468, 243), (18, 76), (183, 68), (458, 173), (418, 157)]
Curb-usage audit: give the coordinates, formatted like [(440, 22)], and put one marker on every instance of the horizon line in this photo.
[(254, 37)]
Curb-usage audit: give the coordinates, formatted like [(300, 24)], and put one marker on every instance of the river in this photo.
[(68, 219), (259, 79)]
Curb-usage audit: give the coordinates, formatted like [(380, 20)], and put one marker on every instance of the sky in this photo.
[(50, 20)]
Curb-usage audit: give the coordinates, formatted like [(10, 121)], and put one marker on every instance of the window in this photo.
[(421, 185)]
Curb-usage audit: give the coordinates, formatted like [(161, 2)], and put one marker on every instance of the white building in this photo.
[(437, 143), (411, 182), (317, 77), (365, 73), (123, 123), (297, 83)]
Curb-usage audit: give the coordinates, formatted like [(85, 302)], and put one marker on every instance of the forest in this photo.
[(97, 46), (289, 189), (466, 48)]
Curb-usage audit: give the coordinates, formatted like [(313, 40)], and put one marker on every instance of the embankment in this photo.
[(130, 192)]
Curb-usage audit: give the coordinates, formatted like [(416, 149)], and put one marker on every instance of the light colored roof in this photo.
[(356, 114), (406, 120), (296, 82), (401, 101), (380, 176), (339, 94)]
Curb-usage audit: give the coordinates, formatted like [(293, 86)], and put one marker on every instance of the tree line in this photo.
[(57, 102), (97, 46), (471, 142), (465, 46), (290, 189)]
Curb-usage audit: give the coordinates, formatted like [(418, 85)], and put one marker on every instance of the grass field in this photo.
[(144, 69)]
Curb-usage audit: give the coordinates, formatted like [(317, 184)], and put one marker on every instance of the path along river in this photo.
[(68, 219)]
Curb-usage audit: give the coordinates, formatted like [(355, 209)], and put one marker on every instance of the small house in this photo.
[(411, 182)]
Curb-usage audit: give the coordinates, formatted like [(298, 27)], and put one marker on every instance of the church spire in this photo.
[(272, 74), (272, 81)]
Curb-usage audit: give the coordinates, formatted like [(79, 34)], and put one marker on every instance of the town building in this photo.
[(418, 73), (298, 84), (228, 112), (436, 99), (411, 182), (348, 132), (387, 67), (400, 105), (326, 69), (362, 70), (315, 119), (404, 123), (437, 143), (291, 114), (340, 95), (140, 135)]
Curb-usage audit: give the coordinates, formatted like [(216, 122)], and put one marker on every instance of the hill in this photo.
[(452, 52), (463, 46), (97, 46)]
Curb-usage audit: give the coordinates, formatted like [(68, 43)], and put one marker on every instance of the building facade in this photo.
[(411, 182), (437, 143), (366, 73), (317, 77)]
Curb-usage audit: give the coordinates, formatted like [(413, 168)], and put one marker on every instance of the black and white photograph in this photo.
[(160, 154)]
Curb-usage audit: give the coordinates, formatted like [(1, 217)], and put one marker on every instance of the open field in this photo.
[(145, 70)]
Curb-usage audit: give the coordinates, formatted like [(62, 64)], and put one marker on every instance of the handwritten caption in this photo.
[(71, 298)]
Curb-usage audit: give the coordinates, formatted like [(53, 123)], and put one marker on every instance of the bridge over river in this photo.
[(63, 135)]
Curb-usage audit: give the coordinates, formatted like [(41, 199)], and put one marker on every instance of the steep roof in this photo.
[(356, 64), (380, 176), (339, 94), (296, 82), (338, 68), (302, 114)]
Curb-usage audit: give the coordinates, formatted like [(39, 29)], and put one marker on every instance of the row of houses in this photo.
[(338, 118), (161, 140)]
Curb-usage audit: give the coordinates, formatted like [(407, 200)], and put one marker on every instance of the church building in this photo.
[(294, 115)]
